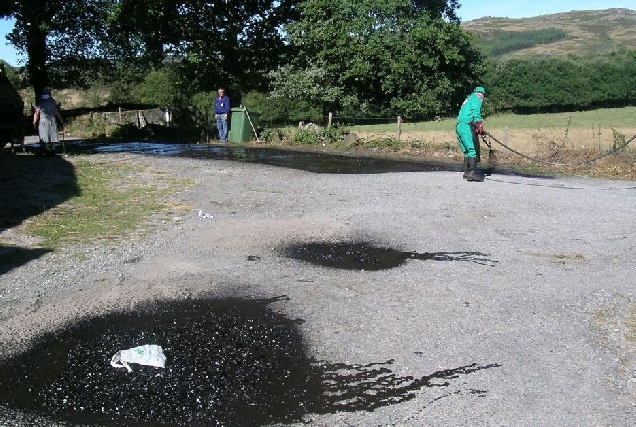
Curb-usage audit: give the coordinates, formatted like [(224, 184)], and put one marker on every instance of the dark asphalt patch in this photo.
[(229, 362), (369, 256)]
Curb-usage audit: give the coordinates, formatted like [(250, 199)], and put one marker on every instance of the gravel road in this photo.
[(515, 305)]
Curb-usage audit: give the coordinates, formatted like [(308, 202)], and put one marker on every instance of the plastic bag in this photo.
[(149, 355)]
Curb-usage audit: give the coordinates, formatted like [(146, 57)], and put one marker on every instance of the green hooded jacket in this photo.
[(471, 110)]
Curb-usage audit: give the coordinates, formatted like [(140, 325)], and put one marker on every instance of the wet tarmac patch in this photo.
[(229, 362), (311, 161), (367, 256)]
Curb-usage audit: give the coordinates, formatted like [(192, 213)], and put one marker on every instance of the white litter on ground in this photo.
[(149, 355)]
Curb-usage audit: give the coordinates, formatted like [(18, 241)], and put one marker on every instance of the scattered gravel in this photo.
[(542, 333)]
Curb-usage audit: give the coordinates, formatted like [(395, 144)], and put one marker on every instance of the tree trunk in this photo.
[(36, 49)]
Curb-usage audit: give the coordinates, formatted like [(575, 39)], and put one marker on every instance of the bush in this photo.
[(274, 111), (90, 126), (161, 88), (306, 137), (204, 102), (273, 136), (319, 135)]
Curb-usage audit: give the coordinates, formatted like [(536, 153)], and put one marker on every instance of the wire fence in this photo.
[(359, 121), (396, 132)]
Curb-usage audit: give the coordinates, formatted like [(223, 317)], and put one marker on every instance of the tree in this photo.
[(148, 33), (233, 44), (62, 31), (161, 88), (538, 84), (379, 57)]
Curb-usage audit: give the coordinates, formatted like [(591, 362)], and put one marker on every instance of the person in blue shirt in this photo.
[(469, 123), (221, 113)]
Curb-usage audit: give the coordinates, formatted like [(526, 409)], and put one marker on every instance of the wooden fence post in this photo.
[(120, 115), (330, 119), (399, 127)]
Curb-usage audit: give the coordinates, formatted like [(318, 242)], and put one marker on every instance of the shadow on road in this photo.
[(30, 185)]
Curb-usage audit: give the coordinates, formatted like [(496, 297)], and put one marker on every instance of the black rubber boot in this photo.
[(471, 173), (465, 167)]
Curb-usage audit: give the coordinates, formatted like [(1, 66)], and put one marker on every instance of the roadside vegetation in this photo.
[(552, 138), (115, 201), (419, 67)]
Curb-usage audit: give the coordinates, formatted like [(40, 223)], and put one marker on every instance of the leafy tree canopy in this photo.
[(56, 31), (216, 43), (378, 57), (544, 84), (233, 44)]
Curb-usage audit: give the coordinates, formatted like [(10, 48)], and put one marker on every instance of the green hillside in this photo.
[(581, 33)]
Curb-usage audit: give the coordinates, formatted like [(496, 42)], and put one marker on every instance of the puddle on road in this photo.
[(309, 161), (229, 362), (367, 256), (304, 160)]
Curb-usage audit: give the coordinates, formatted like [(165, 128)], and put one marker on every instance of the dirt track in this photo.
[(522, 295)]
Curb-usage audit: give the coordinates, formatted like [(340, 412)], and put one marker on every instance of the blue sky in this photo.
[(473, 9), (469, 10)]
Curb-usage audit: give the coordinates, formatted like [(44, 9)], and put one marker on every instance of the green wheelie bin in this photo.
[(241, 129)]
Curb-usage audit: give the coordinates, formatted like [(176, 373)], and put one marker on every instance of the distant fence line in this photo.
[(331, 119), (140, 118), (191, 116)]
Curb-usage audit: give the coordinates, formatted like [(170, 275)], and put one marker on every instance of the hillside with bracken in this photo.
[(580, 33)]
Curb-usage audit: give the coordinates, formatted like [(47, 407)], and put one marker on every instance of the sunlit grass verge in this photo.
[(115, 202)]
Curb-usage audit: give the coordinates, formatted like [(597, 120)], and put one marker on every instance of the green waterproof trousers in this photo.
[(465, 139)]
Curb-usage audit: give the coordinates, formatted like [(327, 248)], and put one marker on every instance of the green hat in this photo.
[(480, 89)]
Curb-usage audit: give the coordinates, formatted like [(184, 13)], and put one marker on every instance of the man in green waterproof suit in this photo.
[(468, 121)]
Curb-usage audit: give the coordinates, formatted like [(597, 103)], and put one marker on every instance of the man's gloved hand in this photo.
[(479, 128)]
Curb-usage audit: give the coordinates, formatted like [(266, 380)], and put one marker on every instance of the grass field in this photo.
[(589, 130), (604, 117), (560, 138)]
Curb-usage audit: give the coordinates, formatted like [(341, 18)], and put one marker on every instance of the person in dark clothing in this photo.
[(45, 119), (221, 113)]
